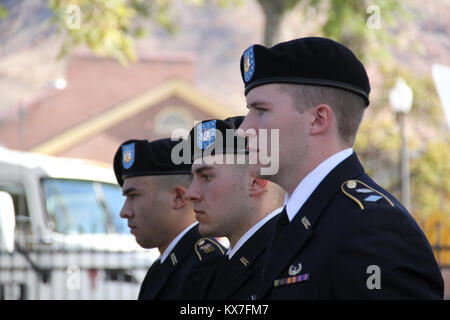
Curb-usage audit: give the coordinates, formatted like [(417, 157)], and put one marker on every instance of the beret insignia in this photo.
[(128, 152), (206, 134), (249, 63), (215, 136)]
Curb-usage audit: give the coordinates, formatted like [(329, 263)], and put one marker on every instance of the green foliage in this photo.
[(365, 26), (426, 106), (430, 175), (107, 27), (103, 26), (3, 12)]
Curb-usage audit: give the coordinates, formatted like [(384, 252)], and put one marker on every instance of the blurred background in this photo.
[(79, 77)]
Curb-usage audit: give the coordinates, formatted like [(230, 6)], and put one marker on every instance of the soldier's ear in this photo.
[(179, 197), (321, 119), (257, 186)]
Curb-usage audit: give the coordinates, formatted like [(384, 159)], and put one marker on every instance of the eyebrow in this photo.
[(128, 190), (257, 103), (203, 168)]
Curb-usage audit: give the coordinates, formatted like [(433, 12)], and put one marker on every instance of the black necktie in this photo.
[(282, 222), (280, 225), (219, 280), (222, 265)]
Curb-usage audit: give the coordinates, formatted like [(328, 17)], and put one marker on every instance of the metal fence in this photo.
[(61, 274)]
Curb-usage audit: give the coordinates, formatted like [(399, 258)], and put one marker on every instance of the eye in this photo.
[(131, 196), (206, 177), (260, 111)]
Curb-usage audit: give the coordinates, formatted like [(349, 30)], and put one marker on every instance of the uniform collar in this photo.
[(251, 232), (306, 187), (175, 241)]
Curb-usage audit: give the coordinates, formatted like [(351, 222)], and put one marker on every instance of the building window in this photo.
[(172, 118)]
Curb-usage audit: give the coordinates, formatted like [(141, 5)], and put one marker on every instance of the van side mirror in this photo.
[(7, 222)]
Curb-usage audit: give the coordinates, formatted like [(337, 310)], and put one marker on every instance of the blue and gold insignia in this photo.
[(291, 280), (205, 246), (249, 63), (362, 194), (206, 134), (128, 155)]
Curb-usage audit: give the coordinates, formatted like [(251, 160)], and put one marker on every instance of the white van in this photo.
[(61, 236)]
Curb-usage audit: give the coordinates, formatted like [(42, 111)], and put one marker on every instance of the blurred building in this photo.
[(99, 104)]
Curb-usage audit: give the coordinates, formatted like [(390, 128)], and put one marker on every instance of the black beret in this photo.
[(216, 136), (309, 61), (143, 158)]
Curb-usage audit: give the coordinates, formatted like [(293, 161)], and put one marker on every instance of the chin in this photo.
[(144, 244), (204, 230)]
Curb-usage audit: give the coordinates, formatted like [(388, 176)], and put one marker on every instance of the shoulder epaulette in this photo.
[(363, 194), (205, 246)]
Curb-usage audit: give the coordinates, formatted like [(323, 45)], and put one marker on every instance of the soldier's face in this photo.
[(219, 198), (271, 108), (147, 209)]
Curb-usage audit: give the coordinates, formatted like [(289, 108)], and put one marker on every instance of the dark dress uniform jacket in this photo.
[(182, 276), (237, 278), (351, 240)]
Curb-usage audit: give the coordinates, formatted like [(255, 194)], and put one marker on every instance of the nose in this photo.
[(246, 125), (126, 211), (192, 193)]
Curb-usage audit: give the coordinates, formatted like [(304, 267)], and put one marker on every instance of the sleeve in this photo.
[(385, 255)]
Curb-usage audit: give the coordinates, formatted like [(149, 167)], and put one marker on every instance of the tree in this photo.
[(3, 11), (274, 11), (364, 25), (109, 27), (349, 22), (430, 174), (106, 27)]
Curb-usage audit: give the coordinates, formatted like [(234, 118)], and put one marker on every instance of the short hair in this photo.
[(348, 107), (170, 181)]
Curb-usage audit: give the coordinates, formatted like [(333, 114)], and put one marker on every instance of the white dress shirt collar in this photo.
[(175, 241), (232, 250), (307, 186)]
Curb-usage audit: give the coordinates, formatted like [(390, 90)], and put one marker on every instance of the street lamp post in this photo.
[(401, 98)]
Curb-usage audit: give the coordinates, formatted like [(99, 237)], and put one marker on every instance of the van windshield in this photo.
[(84, 207)]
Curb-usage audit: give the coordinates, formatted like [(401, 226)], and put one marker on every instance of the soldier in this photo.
[(229, 201), (159, 215), (342, 236)]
